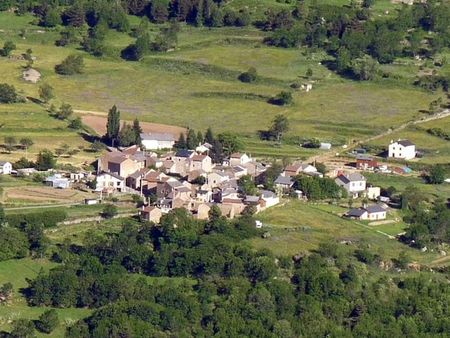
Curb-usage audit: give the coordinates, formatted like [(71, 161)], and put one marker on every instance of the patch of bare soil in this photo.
[(98, 123)]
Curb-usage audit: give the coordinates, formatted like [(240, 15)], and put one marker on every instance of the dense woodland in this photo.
[(225, 288)]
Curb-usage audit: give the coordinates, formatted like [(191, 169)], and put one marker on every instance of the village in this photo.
[(167, 179)]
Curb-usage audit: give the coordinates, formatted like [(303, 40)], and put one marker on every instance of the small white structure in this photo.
[(258, 224), (57, 181), (157, 141), (239, 159), (373, 193), (325, 146), (403, 149), (5, 168), (91, 201)]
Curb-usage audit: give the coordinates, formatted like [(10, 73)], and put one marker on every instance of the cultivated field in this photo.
[(42, 195)]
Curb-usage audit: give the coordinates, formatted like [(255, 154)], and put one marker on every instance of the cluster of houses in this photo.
[(189, 179), (182, 179), (401, 149)]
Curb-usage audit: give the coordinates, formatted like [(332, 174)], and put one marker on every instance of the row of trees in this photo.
[(222, 146), (113, 14), (125, 136)]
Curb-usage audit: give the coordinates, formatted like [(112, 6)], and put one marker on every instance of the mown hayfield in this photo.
[(42, 195), (299, 227)]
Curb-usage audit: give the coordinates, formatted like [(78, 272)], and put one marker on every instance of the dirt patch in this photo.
[(31, 75), (98, 123)]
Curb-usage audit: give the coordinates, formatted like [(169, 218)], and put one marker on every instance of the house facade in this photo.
[(109, 182), (354, 184), (157, 141), (5, 168), (403, 149)]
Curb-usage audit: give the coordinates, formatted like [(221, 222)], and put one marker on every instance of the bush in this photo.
[(8, 93), (248, 76), (109, 211), (282, 99), (73, 64), (8, 47), (47, 321), (436, 175)]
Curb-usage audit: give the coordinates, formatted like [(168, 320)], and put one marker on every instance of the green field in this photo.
[(402, 182), (197, 86), (435, 149), (16, 272), (298, 227)]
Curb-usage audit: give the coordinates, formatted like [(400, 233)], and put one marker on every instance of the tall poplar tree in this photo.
[(113, 125)]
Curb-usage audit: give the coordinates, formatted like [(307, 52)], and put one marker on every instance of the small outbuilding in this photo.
[(58, 181)]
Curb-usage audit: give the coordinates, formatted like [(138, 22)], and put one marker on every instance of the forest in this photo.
[(220, 286)]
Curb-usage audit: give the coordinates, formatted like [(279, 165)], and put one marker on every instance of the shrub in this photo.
[(109, 211), (282, 99), (47, 321), (73, 64), (48, 218), (8, 93), (248, 76)]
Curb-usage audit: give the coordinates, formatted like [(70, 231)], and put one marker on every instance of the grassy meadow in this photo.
[(435, 149), (16, 272), (196, 86), (298, 227)]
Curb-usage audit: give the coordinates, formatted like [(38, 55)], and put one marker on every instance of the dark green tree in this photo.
[(8, 93), (73, 64), (109, 211), (47, 321), (191, 139), (280, 125), (137, 132), (8, 47), (46, 92), (113, 125), (45, 160), (127, 136), (181, 143), (437, 174), (22, 328)]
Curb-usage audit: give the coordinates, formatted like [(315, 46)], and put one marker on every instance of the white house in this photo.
[(239, 159), (109, 182), (373, 193), (372, 213), (156, 141), (354, 183), (404, 149), (270, 198), (5, 167)]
